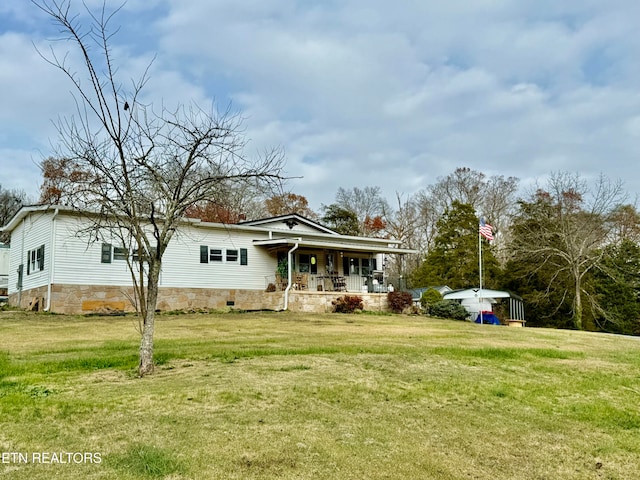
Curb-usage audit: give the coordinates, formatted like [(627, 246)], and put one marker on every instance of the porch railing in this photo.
[(326, 283)]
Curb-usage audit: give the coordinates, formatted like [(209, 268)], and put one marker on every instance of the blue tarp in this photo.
[(489, 318)]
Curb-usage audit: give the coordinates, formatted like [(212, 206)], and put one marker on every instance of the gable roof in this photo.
[(26, 210), (288, 223)]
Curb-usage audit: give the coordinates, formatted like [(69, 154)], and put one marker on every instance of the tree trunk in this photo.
[(577, 305), (145, 366), (146, 345)]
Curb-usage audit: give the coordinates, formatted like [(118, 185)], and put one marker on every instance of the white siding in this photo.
[(78, 258), (78, 261), (182, 267), (30, 234)]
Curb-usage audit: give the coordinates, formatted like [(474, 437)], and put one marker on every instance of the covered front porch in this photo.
[(328, 266)]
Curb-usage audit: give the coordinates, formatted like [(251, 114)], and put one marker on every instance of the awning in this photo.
[(475, 293), (328, 245)]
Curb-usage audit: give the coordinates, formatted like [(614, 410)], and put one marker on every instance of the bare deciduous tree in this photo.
[(563, 229), (10, 203), (405, 223), (140, 170), (492, 197), (367, 203)]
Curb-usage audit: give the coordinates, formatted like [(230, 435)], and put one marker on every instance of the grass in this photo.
[(284, 396)]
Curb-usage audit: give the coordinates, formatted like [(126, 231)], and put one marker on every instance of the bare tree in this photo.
[(626, 223), (492, 197), (563, 229), (141, 169), (463, 185), (10, 203), (405, 223), (429, 212), (367, 203)]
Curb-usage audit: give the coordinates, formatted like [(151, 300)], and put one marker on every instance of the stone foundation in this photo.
[(78, 299), (320, 302), (74, 299)]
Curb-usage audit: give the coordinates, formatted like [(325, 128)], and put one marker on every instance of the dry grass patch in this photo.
[(319, 396)]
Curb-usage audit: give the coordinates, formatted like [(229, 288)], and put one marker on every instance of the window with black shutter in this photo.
[(106, 253), (243, 256)]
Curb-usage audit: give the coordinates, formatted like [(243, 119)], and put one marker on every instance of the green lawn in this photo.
[(284, 396)]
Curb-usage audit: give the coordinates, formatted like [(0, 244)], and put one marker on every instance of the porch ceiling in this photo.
[(327, 245)]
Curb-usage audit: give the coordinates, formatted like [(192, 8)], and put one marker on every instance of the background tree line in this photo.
[(570, 248)]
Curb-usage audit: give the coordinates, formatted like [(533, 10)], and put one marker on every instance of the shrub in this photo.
[(347, 304), (398, 301), (429, 297), (271, 288), (448, 309)]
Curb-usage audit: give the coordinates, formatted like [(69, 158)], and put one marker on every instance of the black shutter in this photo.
[(243, 256), (28, 262), (345, 266), (41, 258), (106, 253), (204, 254)]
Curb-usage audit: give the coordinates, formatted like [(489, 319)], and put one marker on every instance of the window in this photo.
[(229, 256), (351, 265), (32, 261), (308, 263), (106, 253), (368, 266), (232, 256), (110, 252), (304, 262), (35, 260), (366, 270), (210, 255), (331, 268), (141, 252)]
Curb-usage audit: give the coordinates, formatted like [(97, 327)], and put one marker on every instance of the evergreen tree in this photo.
[(617, 285), (453, 260)]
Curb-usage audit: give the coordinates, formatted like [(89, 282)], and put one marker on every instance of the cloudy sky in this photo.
[(363, 92)]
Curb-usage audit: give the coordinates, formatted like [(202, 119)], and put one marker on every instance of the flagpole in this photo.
[(480, 270)]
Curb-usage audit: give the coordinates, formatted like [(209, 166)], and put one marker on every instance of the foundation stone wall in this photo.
[(78, 299), (320, 302)]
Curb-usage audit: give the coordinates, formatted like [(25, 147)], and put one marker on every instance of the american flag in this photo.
[(486, 230)]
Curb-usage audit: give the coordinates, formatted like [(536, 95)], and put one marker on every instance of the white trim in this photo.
[(361, 247)]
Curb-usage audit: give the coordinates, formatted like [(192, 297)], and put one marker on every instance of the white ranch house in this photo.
[(206, 265)]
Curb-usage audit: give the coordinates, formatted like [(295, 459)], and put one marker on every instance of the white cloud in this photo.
[(363, 92)]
